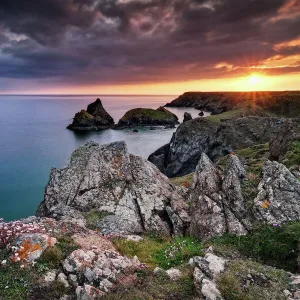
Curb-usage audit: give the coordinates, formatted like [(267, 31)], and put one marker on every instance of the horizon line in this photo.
[(148, 95)]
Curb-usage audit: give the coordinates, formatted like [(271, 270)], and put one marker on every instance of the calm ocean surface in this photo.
[(34, 138)]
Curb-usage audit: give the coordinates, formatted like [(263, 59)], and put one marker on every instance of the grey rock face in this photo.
[(206, 270), (181, 156), (109, 179), (217, 205), (94, 118), (278, 199)]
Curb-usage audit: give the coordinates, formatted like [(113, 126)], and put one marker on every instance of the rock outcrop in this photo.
[(94, 118), (107, 178), (206, 271), (217, 204), (181, 155), (187, 117), (148, 117), (278, 200)]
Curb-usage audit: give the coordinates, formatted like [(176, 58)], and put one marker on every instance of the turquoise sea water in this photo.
[(34, 138)]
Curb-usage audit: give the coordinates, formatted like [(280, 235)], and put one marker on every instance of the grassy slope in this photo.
[(147, 113)]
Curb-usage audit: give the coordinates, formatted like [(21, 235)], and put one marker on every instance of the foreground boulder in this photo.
[(217, 205), (94, 118), (131, 191), (278, 200), (216, 139), (148, 117)]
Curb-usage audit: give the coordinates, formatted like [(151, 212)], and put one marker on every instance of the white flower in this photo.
[(22, 266), (3, 263)]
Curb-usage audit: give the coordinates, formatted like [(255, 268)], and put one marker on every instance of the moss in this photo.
[(147, 113), (233, 282), (165, 252), (184, 181), (292, 157), (158, 288), (66, 245), (51, 257), (93, 218)]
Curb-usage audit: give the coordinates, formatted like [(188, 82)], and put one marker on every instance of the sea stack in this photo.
[(94, 118)]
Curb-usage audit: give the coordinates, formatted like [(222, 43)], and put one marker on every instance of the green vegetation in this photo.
[(226, 115), (93, 218), (51, 257), (185, 181), (147, 113), (19, 282), (273, 245), (158, 287), (292, 157), (160, 251), (233, 282)]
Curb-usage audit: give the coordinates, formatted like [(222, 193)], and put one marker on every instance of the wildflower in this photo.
[(3, 263), (265, 204)]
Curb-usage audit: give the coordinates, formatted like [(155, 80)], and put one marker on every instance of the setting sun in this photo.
[(255, 79)]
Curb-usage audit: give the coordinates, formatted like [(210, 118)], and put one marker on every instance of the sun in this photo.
[(255, 79)]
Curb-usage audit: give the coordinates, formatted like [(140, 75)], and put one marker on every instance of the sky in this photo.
[(148, 46)]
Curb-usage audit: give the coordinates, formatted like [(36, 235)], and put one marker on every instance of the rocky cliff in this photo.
[(279, 103), (94, 118), (216, 139)]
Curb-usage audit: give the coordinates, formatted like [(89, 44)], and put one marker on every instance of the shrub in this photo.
[(52, 257)]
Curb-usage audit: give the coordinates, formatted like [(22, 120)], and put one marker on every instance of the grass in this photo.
[(162, 252), (93, 218), (185, 181), (292, 157), (273, 245), (233, 282), (158, 287), (147, 113)]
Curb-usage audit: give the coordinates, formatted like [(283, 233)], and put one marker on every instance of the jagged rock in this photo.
[(214, 206), (278, 200), (211, 265), (187, 117), (147, 116), (206, 270), (103, 267), (94, 118), (181, 156), (280, 144), (108, 179)]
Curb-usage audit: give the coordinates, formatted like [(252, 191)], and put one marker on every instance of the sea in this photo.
[(34, 138)]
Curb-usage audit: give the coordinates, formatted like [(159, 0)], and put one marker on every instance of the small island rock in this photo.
[(94, 118), (187, 117), (148, 116)]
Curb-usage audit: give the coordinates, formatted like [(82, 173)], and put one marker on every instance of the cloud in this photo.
[(144, 41)]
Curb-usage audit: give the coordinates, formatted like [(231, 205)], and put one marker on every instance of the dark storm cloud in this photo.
[(131, 41)]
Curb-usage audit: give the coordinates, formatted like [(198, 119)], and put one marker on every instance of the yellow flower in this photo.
[(265, 204)]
